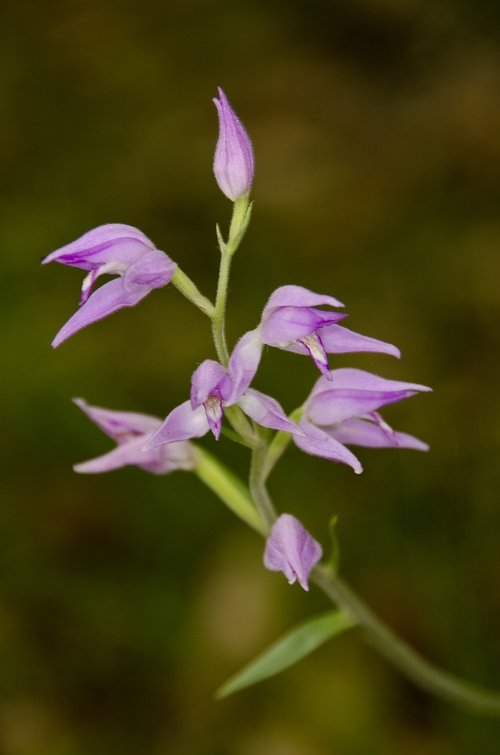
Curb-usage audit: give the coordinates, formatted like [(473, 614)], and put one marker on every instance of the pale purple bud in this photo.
[(291, 549), (234, 158)]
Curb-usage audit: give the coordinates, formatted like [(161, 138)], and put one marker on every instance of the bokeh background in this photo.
[(126, 599)]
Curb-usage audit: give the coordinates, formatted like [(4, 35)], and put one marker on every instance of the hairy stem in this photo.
[(239, 222), (257, 485), (187, 288), (219, 316)]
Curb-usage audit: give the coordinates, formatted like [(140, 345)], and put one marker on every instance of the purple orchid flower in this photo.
[(212, 389), (292, 321), (343, 410), (130, 430), (113, 249), (234, 158), (291, 549)]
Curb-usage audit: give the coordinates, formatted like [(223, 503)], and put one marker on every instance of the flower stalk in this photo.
[(191, 292), (237, 228), (229, 489)]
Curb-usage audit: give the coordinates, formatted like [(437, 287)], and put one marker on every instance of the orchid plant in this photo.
[(341, 411)]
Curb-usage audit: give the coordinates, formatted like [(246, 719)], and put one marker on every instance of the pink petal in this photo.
[(103, 302), (113, 242), (120, 426), (266, 411), (182, 423), (298, 296), (339, 340), (243, 363), (319, 443), (361, 432)]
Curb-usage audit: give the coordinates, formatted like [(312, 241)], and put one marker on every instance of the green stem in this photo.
[(229, 489), (240, 425), (239, 222), (219, 315), (257, 485), (424, 674), (187, 288)]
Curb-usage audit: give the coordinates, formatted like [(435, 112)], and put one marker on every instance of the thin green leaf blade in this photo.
[(292, 647)]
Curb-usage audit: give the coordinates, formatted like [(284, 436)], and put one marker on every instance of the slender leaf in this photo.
[(292, 647)]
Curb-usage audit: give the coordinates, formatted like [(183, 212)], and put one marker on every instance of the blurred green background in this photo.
[(126, 599)]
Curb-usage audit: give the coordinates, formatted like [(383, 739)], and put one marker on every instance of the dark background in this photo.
[(126, 599)]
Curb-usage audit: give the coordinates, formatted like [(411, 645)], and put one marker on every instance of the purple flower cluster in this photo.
[(341, 411)]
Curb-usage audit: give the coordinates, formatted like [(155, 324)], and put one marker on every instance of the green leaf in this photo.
[(292, 647)]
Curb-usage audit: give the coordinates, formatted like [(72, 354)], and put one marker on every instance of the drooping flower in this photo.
[(130, 430), (212, 389), (112, 249), (291, 549), (344, 410), (292, 321), (234, 158)]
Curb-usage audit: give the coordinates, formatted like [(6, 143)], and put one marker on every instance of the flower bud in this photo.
[(234, 159), (291, 549)]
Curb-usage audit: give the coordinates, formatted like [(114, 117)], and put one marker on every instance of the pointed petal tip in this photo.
[(150, 443), (420, 445)]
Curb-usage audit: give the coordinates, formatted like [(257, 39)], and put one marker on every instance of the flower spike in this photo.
[(112, 249), (234, 158)]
